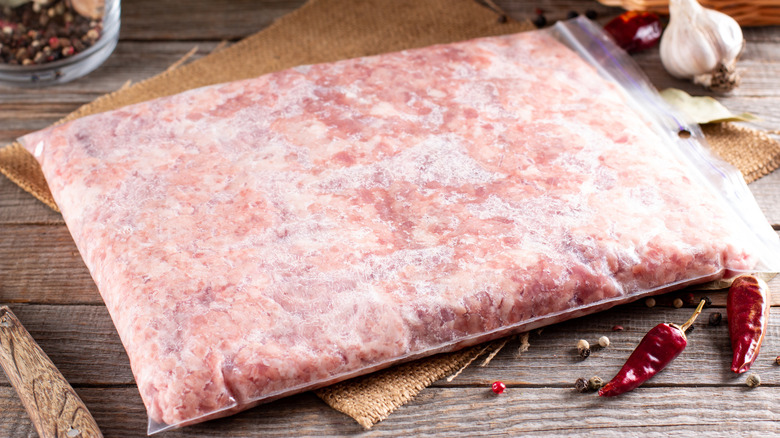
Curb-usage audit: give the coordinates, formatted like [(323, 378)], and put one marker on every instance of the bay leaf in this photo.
[(702, 109)]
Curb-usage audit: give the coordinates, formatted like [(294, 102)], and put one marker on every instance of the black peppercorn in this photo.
[(31, 34), (581, 385), (715, 319), (540, 21), (572, 14), (591, 14)]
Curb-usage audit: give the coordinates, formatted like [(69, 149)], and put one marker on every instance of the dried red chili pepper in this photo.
[(747, 310), (661, 345), (635, 31)]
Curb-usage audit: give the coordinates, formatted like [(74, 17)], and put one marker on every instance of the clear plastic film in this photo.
[(681, 136), (256, 239)]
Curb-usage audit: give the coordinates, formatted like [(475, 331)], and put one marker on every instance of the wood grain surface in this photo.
[(54, 408), (45, 282)]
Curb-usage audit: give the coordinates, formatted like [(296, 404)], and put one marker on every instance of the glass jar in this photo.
[(45, 42)]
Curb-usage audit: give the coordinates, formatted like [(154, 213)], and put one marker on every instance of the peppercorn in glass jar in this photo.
[(44, 42)]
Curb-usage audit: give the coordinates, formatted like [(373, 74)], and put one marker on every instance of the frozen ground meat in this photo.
[(259, 238)]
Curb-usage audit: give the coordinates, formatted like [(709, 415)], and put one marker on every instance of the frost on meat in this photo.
[(258, 238)]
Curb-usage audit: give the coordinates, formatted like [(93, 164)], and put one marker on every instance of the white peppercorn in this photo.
[(583, 348)]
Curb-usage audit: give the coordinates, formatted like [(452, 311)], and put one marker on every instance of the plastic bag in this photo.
[(256, 239)]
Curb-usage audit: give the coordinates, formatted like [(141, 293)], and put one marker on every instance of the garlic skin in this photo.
[(701, 44)]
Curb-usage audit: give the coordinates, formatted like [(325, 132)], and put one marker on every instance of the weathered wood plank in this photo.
[(195, 20), (674, 412), (558, 10), (555, 10), (767, 34), (19, 207), (120, 413), (83, 344), (200, 19), (767, 193), (40, 263), (80, 340)]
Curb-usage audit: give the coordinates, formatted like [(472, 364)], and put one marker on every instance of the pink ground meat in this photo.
[(258, 238)]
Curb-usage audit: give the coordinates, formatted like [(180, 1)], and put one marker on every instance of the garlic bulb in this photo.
[(701, 44)]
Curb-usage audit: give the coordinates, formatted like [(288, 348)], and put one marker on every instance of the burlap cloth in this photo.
[(329, 30)]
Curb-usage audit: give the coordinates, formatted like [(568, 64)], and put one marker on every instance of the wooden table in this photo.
[(47, 285)]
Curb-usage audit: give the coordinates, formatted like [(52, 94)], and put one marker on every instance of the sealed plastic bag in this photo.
[(260, 238)]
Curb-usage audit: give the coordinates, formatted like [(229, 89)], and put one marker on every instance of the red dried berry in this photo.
[(498, 387), (617, 328), (635, 31)]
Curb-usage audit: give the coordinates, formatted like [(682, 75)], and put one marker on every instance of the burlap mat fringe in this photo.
[(753, 152), (468, 362), (372, 398), (182, 60), (20, 167), (495, 351), (524, 344)]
